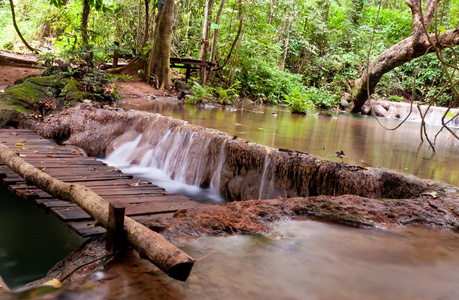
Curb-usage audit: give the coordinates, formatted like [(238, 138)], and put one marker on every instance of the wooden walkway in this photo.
[(142, 199)]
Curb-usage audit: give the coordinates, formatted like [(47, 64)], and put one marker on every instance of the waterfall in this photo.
[(264, 179), (216, 174), (178, 162)]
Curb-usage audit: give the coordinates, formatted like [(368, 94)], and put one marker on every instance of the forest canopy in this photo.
[(302, 52)]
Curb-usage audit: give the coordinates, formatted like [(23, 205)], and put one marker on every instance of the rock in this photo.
[(379, 110), (325, 114), (344, 102), (366, 109), (184, 91)]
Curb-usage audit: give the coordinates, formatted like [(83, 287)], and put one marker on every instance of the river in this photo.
[(31, 242), (363, 141), (301, 259)]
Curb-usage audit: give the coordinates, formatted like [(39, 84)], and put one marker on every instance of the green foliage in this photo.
[(313, 47), (201, 93), (299, 102), (322, 97), (396, 98), (263, 81)]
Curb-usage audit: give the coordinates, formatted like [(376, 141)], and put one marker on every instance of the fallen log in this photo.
[(151, 245)]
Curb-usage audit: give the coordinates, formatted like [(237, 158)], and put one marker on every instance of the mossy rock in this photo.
[(29, 93), (72, 92), (10, 114)]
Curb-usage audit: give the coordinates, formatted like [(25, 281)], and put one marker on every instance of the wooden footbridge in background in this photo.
[(141, 199)]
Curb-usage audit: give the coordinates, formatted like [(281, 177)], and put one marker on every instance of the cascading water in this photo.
[(265, 191), (178, 163), (433, 116)]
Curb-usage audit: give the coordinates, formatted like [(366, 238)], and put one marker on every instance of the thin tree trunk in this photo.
[(282, 65), (84, 21), (206, 30), (18, 31), (236, 39), (148, 243), (215, 36)]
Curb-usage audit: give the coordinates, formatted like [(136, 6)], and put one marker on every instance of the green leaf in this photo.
[(450, 115), (442, 29)]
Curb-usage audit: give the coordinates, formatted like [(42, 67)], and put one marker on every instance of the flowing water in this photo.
[(361, 138), (306, 259), (31, 242), (301, 259)]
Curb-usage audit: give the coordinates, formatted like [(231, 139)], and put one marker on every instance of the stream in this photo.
[(363, 141), (31, 242), (300, 259)]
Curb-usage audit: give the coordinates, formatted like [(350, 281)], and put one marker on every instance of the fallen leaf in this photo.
[(19, 144), (49, 156), (52, 148), (36, 151), (117, 184), (67, 209)]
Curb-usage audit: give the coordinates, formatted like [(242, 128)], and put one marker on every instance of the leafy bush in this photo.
[(396, 98), (299, 102)]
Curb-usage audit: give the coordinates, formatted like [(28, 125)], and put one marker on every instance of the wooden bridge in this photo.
[(141, 199)]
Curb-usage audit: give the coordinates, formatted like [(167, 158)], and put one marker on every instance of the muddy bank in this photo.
[(255, 217)]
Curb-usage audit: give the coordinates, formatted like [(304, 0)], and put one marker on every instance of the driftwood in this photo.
[(151, 245)]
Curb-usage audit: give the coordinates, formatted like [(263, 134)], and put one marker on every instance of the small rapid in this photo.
[(170, 166)]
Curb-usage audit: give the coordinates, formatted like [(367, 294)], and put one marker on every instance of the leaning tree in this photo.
[(420, 43)]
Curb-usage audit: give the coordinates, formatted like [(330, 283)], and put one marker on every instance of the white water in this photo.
[(433, 116), (171, 166), (265, 192)]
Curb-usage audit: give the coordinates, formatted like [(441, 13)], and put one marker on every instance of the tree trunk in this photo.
[(213, 50), (17, 29), (159, 61), (206, 30), (148, 243), (410, 48), (84, 21)]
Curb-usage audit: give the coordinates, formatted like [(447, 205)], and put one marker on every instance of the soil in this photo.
[(134, 91), (10, 73)]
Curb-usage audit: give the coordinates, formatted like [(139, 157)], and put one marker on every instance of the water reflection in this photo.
[(314, 260), (31, 242), (363, 141)]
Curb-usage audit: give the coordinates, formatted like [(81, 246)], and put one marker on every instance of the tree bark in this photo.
[(159, 60), (84, 21), (213, 49), (18, 31), (206, 30), (410, 48), (148, 243)]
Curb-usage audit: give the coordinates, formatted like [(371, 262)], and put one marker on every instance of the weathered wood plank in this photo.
[(86, 228), (141, 199)]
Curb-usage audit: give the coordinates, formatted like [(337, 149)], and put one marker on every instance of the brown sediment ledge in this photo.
[(319, 188)]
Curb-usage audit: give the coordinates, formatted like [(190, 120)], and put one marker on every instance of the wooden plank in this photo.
[(54, 202), (71, 213), (86, 228), (141, 199), (74, 213)]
